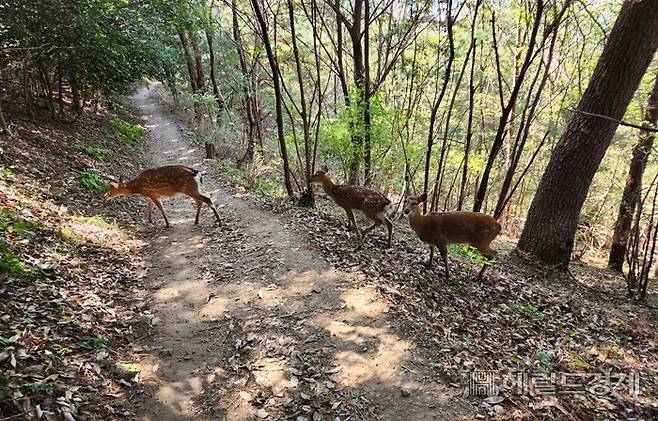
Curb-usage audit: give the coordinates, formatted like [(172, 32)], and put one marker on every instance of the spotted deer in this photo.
[(372, 203), (167, 181), (438, 229)]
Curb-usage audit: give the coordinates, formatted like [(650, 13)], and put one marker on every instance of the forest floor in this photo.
[(280, 312)]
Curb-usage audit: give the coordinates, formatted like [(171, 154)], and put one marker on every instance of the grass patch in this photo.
[(264, 187), (470, 252), (230, 171), (258, 185), (96, 220), (97, 342), (49, 388), (11, 224), (529, 310), (92, 180), (131, 134), (95, 152)]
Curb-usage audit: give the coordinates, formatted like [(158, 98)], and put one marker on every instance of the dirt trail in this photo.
[(253, 323)]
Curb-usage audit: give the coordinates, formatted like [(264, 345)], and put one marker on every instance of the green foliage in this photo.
[(265, 187), (49, 388), (97, 44), (97, 342), (5, 380), (529, 310), (230, 171), (470, 252), (95, 152), (131, 134), (11, 224), (543, 363), (92, 180)]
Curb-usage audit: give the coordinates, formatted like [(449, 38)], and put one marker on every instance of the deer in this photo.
[(438, 229), (371, 203), (167, 181)]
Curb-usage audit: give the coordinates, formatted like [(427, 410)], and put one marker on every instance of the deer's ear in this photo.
[(324, 169), (422, 198), (120, 179)]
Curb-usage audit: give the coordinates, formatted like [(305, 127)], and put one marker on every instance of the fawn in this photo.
[(438, 229), (164, 181), (373, 204)]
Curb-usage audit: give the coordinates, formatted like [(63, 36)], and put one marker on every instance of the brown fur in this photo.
[(442, 228), (155, 183), (372, 203)]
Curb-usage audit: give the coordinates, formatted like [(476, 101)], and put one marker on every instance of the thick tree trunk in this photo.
[(553, 216), (274, 67), (633, 186)]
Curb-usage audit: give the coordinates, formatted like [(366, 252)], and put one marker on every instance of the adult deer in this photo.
[(372, 203), (155, 183), (438, 229)]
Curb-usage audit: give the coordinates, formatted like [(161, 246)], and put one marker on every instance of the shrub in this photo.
[(131, 134), (92, 180)]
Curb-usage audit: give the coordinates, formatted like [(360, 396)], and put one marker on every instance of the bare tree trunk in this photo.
[(367, 159), (553, 216), (524, 131), (437, 100), (3, 124), (60, 94), (274, 67), (633, 186), (198, 63), (188, 59), (303, 110), (471, 105), (247, 88), (507, 109), (219, 99), (359, 71)]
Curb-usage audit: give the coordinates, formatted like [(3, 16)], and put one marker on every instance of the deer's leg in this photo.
[(370, 228), (443, 248), (486, 251), (204, 199), (198, 211), (389, 227), (157, 202), (429, 262), (350, 217), (149, 209)]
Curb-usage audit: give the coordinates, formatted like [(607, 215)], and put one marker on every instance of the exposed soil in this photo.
[(255, 323)]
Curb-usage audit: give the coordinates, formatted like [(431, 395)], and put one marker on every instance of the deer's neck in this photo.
[(416, 219), (132, 188), (328, 186)]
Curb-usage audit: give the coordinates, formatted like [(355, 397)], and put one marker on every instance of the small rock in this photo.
[(494, 399), (261, 414), (405, 393)]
